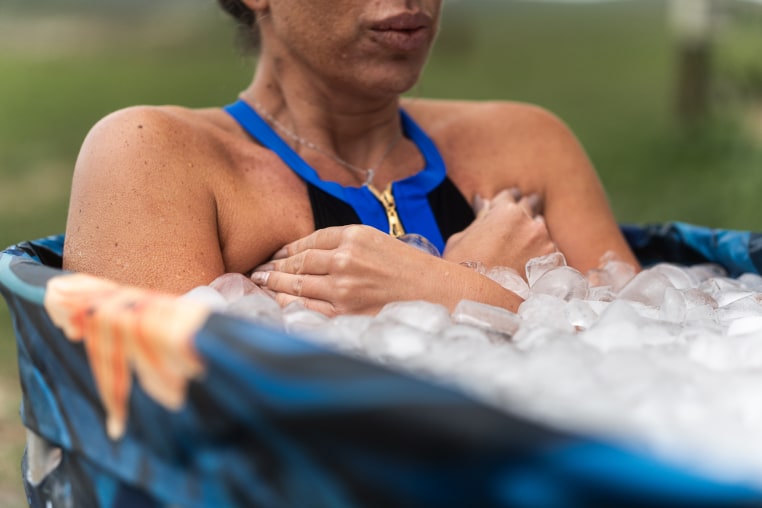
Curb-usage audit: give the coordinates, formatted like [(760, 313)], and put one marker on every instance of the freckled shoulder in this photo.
[(489, 146), (483, 120), (140, 140), (142, 191)]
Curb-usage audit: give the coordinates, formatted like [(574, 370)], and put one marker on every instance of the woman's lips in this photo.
[(405, 32)]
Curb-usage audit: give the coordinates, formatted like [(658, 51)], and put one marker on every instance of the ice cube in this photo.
[(207, 296), (345, 331), (257, 307), (298, 319), (476, 266), (467, 333), (580, 314), (391, 341), (509, 279), (487, 317), (724, 290), (694, 297), (421, 243), (601, 294), (647, 287), (740, 308), (563, 282), (536, 267), (733, 354), (678, 277), (706, 271), (616, 328), (545, 311), (751, 281), (532, 337), (674, 307), (746, 325), (612, 273), (235, 285), (425, 316)]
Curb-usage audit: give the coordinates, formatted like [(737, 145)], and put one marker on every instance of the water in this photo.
[(668, 361)]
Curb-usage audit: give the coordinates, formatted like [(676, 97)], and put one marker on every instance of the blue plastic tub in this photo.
[(277, 421)]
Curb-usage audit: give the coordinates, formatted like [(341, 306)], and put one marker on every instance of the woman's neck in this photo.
[(361, 131)]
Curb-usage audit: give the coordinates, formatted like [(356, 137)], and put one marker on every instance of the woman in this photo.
[(170, 198)]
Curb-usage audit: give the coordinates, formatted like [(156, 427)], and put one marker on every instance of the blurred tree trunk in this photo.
[(692, 24)]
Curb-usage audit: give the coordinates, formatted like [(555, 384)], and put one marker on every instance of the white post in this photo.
[(691, 21)]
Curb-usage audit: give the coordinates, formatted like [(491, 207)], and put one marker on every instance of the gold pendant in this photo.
[(386, 198)]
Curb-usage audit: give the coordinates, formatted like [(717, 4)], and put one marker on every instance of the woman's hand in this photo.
[(353, 269), (508, 231)]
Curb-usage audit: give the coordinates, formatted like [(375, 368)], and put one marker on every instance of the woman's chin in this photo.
[(391, 83)]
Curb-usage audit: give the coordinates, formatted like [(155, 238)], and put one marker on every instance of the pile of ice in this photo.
[(668, 360)]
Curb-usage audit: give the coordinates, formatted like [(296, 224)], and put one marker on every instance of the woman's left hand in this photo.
[(508, 231), (351, 269)]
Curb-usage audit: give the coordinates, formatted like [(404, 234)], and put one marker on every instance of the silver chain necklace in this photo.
[(368, 173)]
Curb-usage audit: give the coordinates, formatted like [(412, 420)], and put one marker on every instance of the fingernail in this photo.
[(260, 278), (281, 253)]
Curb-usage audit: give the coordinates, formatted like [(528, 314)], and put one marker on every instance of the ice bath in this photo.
[(599, 391), (668, 361)]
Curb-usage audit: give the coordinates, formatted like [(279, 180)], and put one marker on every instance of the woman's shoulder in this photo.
[(168, 127), (489, 145), (138, 140), (480, 118)]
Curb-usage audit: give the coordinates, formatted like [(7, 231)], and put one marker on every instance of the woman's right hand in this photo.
[(508, 231), (358, 269)]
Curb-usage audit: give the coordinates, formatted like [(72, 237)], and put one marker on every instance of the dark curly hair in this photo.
[(248, 34)]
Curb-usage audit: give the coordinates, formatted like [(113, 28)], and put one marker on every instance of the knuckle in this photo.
[(301, 261), (342, 259), (343, 291), (283, 299), (360, 234), (298, 285), (352, 232)]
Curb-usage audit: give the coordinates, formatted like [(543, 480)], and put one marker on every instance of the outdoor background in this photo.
[(609, 69)]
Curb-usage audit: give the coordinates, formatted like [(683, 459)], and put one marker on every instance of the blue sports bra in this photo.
[(428, 203)]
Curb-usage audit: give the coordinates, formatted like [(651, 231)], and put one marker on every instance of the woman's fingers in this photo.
[(511, 195), (289, 275), (322, 239), (321, 306), (296, 285), (310, 261), (531, 204)]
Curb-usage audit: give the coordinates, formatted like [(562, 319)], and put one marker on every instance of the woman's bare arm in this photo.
[(141, 212), (358, 269), (576, 209), (493, 146)]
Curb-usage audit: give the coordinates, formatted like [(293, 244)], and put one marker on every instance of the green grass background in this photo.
[(608, 70)]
